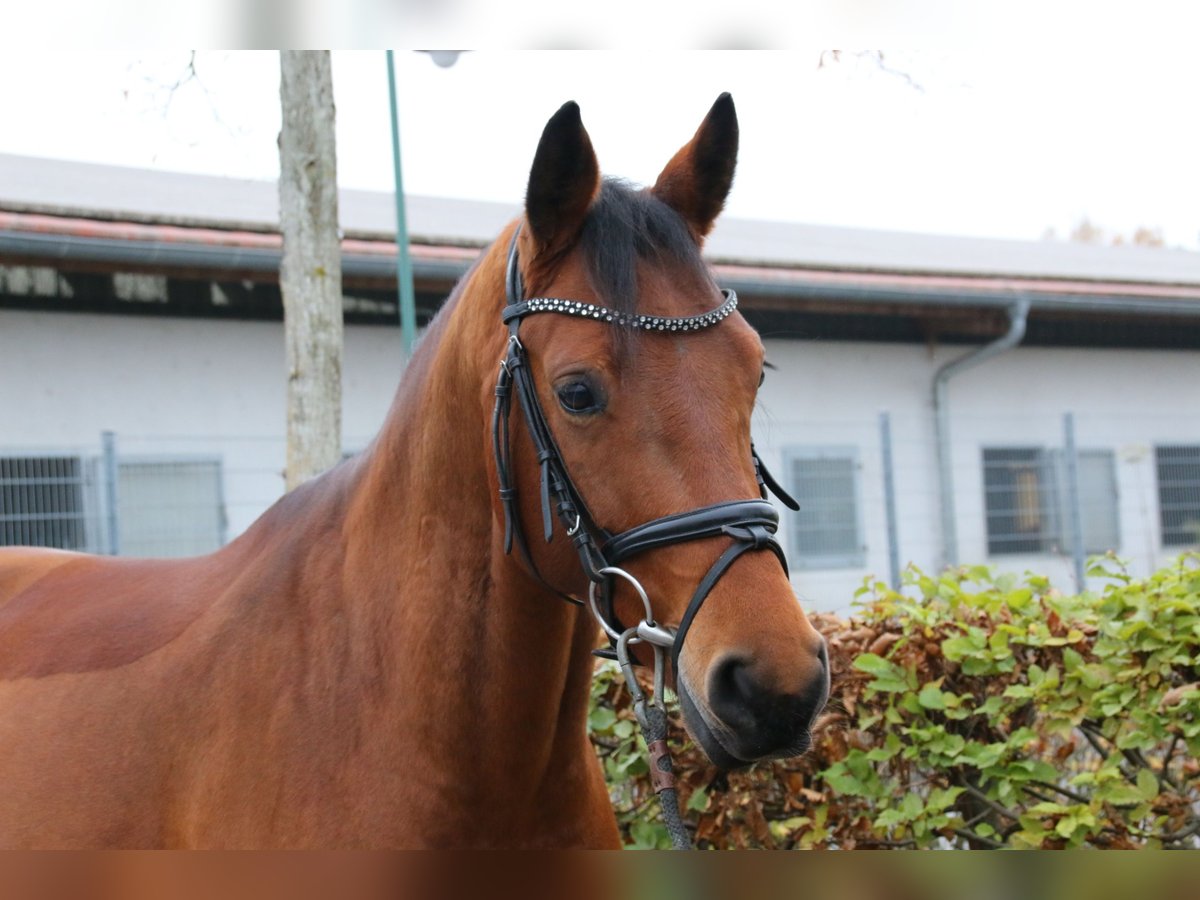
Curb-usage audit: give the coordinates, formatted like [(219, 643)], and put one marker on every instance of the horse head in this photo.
[(637, 412)]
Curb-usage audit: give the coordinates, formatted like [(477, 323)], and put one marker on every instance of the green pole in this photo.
[(404, 276)]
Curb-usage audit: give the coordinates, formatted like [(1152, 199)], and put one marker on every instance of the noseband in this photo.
[(750, 523)]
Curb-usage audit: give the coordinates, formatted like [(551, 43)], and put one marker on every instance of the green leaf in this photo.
[(931, 697), (649, 836), (1066, 826), (957, 648), (1120, 794), (842, 781), (874, 664), (1147, 784), (601, 718)]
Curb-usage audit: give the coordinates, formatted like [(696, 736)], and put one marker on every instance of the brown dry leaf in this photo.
[(859, 740), (758, 825), (836, 747), (1177, 694), (858, 634), (880, 645)]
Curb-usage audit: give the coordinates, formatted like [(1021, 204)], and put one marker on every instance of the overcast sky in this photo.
[(977, 143)]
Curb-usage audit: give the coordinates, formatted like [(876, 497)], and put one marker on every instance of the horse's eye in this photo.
[(762, 376), (577, 397)]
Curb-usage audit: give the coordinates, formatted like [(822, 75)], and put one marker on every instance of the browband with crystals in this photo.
[(631, 320)]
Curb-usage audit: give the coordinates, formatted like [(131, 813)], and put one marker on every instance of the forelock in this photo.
[(625, 226)]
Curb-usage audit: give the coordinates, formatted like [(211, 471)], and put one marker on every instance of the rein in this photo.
[(750, 523)]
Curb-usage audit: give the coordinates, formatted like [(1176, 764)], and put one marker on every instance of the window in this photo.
[(1016, 500), (165, 506), (170, 507), (42, 502), (1027, 500), (1179, 494), (827, 531)]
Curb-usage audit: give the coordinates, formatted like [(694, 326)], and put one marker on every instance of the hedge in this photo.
[(968, 710)]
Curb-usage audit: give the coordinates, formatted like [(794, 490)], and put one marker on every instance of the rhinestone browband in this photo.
[(646, 323)]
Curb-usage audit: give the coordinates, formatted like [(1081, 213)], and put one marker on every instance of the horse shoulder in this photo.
[(66, 612)]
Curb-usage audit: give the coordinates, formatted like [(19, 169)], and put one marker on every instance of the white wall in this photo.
[(827, 393), (215, 388), (177, 387), (64, 378)]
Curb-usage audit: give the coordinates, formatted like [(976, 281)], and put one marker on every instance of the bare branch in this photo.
[(830, 58), (988, 801), (1072, 795), (973, 838)]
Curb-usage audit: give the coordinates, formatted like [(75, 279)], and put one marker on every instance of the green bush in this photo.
[(968, 710)]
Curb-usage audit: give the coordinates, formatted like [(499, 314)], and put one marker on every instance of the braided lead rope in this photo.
[(652, 717)]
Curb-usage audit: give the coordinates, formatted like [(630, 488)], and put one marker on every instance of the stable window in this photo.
[(170, 506), (166, 506), (43, 502), (1027, 500), (827, 531), (1179, 494)]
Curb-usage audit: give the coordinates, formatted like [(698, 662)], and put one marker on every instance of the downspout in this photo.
[(1018, 312)]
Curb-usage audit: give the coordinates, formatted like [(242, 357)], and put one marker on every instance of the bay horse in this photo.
[(372, 663)]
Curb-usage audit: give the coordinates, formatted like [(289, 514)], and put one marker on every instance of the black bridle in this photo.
[(750, 523)]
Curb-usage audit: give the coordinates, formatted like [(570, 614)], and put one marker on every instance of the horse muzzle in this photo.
[(738, 721)]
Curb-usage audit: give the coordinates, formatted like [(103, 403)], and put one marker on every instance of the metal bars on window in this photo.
[(827, 531), (1178, 470), (94, 501)]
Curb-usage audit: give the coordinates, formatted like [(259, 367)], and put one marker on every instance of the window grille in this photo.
[(44, 502), (166, 506), (827, 531), (1179, 494), (1026, 500), (170, 507)]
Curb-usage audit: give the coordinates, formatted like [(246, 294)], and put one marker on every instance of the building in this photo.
[(141, 361)]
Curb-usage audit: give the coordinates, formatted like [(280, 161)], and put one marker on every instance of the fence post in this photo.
[(108, 441), (1073, 510), (889, 500)]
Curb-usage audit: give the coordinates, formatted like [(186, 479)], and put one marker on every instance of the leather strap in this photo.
[(707, 521), (755, 539)]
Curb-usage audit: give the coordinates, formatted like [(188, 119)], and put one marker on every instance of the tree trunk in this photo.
[(310, 274)]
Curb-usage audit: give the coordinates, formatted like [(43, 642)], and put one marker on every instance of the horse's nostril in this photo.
[(732, 692)]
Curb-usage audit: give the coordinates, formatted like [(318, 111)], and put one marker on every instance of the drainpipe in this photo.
[(1017, 314)]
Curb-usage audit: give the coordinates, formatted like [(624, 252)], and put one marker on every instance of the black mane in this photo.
[(624, 226)]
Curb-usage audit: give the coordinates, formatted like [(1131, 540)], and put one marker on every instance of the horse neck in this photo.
[(466, 624)]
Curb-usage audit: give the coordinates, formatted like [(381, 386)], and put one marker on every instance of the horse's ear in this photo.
[(563, 182), (696, 181)]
